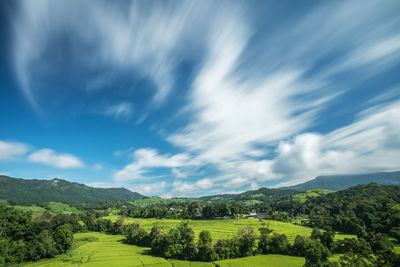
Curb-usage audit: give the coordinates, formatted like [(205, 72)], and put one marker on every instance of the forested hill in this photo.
[(262, 194), (340, 182), (357, 210), (58, 190)]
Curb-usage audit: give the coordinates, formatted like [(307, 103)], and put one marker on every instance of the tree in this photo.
[(301, 244), (205, 250), (118, 226), (63, 237), (247, 241), (136, 235), (160, 245), (278, 244), (263, 244), (316, 254), (43, 246), (194, 209), (227, 249), (382, 247), (187, 241)]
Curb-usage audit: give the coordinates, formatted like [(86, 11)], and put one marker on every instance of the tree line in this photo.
[(179, 243)]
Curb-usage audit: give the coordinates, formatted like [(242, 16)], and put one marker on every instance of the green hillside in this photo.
[(262, 194), (311, 193), (149, 201), (58, 190)]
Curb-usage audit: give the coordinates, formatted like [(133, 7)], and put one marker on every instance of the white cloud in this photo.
[(139, 37), (236, 182), (370, 144), (49, 157), (178, 173), (248, 98), (151, 189), (233, 114), (190, 188), (145, 159), (121, 110), (237, 109), (9, 150), (97, 167)]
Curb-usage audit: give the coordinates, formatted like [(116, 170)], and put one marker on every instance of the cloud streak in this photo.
[(257, 100), (10, 150), (51, 158), (146, 159)]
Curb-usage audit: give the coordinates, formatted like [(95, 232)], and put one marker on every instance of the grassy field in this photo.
[(264, 260), (145, 202), (95, 249), (302, 197), (220, 229), (54, 208)]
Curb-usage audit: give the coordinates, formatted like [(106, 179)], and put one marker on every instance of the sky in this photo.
[(192, 98)]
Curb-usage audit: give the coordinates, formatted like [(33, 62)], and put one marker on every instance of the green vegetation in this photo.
[(96, 249), (262, 194), (220, 229), (302, 197), (33, 191), (23, 239), (149, 201), (263, 260), (212, 231)]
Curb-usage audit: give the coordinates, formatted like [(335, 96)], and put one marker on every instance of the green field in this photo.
[(95, 249), (264, 260), (224, 229), (145, 202), (54, 208), (302, 197)]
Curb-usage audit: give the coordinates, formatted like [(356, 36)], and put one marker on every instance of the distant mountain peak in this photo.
[(341, 182), (55, 182)]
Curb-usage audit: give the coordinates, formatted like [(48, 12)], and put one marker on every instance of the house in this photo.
[(252, 215), (261, 216)]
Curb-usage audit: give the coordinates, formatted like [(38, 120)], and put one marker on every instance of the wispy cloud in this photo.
[(146, 159), (183, 188), (143, 38), (120, 111), (254, 99), (50, 157), (9, 150), (369, 144)]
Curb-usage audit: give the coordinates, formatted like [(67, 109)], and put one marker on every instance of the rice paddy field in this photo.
[(268, 260), (223, 229), (54, 208), (96, 249)]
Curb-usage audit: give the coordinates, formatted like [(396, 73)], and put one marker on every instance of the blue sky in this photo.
[(190, 98)]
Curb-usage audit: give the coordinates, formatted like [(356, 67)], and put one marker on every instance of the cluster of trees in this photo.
[(184, 210), (23, 239), (179, 244), (357, 210)]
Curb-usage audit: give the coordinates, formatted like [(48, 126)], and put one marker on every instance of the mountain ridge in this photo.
[(59, 190), (344, 181)]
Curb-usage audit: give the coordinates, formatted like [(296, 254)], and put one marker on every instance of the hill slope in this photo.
[(340, 182), (57, 190), (261, 194)]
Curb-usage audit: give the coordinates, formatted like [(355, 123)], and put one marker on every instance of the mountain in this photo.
[(261, 194), (328, 182), (340, 182), (58, 190)]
